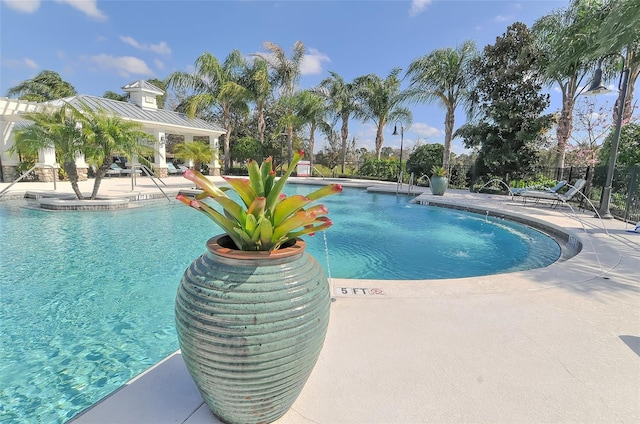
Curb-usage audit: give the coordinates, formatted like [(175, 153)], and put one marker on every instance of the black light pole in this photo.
[(597, 88), (395, 132)]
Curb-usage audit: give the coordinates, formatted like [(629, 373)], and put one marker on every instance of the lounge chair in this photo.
[(554, 189), (555, 198), (172, 169), (113, 170)]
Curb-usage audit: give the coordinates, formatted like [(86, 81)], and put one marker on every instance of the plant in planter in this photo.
[(439, 180), (253, 310)]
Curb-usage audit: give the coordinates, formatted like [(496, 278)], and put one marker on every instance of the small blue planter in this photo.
[(439, 185)]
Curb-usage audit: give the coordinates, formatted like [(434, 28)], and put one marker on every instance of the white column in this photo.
[(9, 161), (47, 164), (188, 138), (214, 165), (160, 155)]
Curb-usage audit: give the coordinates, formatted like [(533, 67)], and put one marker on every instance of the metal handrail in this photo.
[(318, 171), (399, 183), (27, 173), (147, 171), (411, 184)]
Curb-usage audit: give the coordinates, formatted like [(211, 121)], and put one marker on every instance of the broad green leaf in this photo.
[(242, 186), (289, 206), (255, 177), (325, 191), (299, 219)]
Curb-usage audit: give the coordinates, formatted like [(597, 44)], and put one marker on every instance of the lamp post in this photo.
[(597, 88), (395, 132)]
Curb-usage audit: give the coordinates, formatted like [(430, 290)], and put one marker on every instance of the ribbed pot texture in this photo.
[(251, 326)]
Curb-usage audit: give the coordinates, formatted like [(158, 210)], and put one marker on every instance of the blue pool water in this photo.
[(86, 299)]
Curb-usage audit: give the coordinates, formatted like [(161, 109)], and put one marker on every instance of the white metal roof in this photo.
[(150, 118)]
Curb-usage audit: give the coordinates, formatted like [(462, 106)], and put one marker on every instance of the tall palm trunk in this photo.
[(262, 124), (100, 173), (565, 123), (449, 122), (226, 118), (634, 72), (379, 141), (312, 138), (344, 135), (72, 173), (289, 144)]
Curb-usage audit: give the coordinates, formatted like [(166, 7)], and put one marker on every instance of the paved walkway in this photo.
[(558, 344)]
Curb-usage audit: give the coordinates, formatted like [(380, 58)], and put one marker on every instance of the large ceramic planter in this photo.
[(438, 185), (251, 326)]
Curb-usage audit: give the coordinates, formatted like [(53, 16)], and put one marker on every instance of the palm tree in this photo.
[(214, 84), (341, 97), (256, 81), (45, 86), (568, 77), (602, 30), (380, 100), (106, 135), (444, 76), (312, 111), (286, 74), (193, 153), (57, 128)]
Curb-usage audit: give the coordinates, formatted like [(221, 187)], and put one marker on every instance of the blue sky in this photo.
[(102, 45)]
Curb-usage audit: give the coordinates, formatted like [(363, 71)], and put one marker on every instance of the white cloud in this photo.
[(426, 130), (312, 62), (31, 63), (88, 7), (160, 48), (123, 65), (159, 64), (24, 6), (130, 41), (20, 63), (503, 18), (418, 6)]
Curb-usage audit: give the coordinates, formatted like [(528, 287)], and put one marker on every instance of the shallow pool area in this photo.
[(87, 298)]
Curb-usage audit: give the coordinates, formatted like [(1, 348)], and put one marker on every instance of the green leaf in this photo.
[(272, 198), (266, 233), (242, 186), (255, 177), (266, 171), (299, 219), (288, 206), (232, 209), (327, 190)]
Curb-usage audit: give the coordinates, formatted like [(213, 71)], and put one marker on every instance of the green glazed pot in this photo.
[(251, 326), (439, 185)]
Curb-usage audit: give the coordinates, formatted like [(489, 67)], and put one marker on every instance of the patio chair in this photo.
[(554, 189), (113, 170), (555, 198), (173, 170)]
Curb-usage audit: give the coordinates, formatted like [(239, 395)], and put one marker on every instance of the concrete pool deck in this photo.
[(557, 344)]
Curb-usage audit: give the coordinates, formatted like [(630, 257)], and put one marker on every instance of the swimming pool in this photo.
[(77, 327)]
